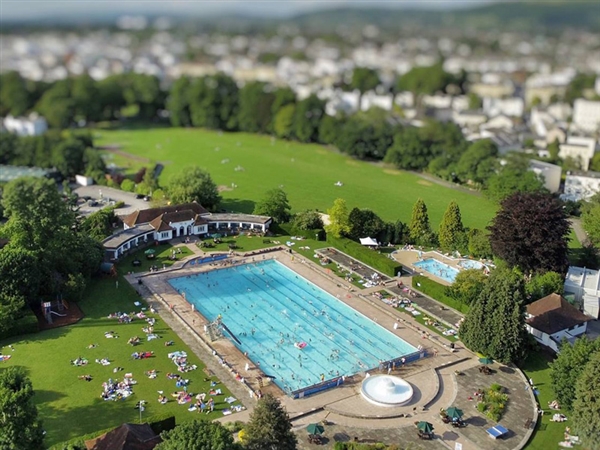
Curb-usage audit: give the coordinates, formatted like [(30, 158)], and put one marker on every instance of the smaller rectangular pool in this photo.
[(438, 269)]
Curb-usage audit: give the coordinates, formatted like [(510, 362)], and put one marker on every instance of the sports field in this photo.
[(246, 165)]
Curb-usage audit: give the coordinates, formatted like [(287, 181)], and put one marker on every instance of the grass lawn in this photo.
[(306, 172), (427, 321), (547, 434), (70, 407), (242, 243), (162, 257)]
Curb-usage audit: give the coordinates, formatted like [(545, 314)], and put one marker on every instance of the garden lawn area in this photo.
[(547, 434), (242, 243), (162, 257), (307, 173), (70, 407)]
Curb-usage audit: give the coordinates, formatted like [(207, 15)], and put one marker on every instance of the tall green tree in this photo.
[(424, 80), (283, 122), (586, 407), (452, 232), (178, 102), (330, 129), (57, 105), (479, 243), (477, 164), (283, 96), (366, 135), (543, 284), (68, 157), (364, 79), (20, 427), (467, 286), (255, 103), (308, 220), (200, 435), (307, 119), (364, 223), (15, 98), (214, 102), (339, 225), (531, 231), (274, 204), (420, 229), (269, 427), (495, 323), (590, 220), (193, 184), (145, 92), (110, 98), (567, 368), (513, 177), (85, 94)]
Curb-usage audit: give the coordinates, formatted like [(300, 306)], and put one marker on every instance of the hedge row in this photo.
[(25, 325), (370, 257), (289, 229), (437, 291)]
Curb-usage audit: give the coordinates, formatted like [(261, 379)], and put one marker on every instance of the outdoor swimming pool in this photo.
[(439, 269), (271, 310)]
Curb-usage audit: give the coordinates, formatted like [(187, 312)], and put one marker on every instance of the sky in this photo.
[(88, 10)]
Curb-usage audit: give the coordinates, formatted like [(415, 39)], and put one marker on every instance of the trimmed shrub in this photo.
[(25, 325), (376, 260)]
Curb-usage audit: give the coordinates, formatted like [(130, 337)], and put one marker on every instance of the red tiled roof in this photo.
[(553, 313), (126, 437), (148, 215)]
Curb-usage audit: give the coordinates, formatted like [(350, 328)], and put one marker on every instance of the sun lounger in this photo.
[(497, 432)]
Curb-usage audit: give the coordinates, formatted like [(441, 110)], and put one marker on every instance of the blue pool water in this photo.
[(269, 308), (439, 269)]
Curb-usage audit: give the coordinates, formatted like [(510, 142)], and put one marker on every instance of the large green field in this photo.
[(307, 173)]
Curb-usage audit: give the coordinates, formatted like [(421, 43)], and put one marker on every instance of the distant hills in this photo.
[(531, 15), (498, 16)]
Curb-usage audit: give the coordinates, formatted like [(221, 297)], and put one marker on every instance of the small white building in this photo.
[(168, 222), (581, 185), (586, 115), (469, 119), (581, 149), (552, 319), (551, 174), (512, 106), (584, 285), (33, 125)]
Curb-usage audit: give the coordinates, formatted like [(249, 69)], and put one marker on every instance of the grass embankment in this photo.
[(307, 172), (547, 434), (162, 256), (70, 407), (437, 291)]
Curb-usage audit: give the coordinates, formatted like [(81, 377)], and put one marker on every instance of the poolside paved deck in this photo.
[(434, 377)]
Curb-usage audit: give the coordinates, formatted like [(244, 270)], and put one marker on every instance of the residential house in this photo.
[(512, 106), (469, 119), (168, 222), (551, 174), (581, 185), (556, 134), (33, 125), (579, 148), (586, 115), (552, 319), (584, 286), (499, 122)]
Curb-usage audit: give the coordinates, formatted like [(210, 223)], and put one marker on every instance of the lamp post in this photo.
[(142, 402)]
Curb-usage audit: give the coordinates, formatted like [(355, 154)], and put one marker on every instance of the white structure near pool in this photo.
[(168, 222), (584, 285)]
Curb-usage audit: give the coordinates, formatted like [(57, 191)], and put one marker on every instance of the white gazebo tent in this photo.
[(369, 242)]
